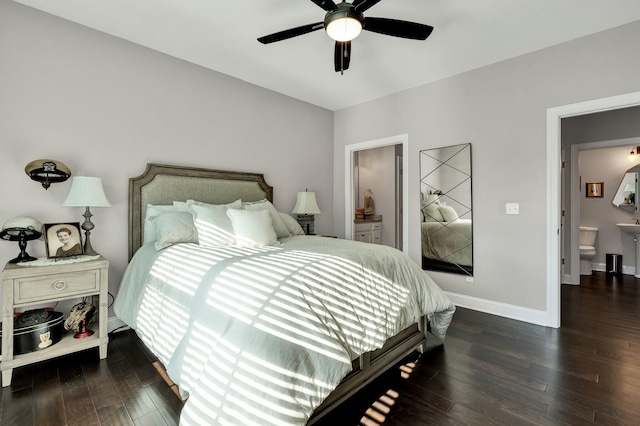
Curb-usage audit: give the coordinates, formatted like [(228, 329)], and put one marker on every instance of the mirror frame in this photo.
[(446, 185)]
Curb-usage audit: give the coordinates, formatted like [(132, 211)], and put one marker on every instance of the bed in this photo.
[(256, 333), (446, 237), (447, 244)]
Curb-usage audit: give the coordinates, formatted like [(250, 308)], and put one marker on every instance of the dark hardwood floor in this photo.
[(491, 370)]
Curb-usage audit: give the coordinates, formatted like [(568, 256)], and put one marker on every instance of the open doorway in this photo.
[(554, 184), (377, 186), (395, 202)]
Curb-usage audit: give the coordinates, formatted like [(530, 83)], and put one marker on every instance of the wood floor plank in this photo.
[(132, 392), (48, 404), (105, 396)]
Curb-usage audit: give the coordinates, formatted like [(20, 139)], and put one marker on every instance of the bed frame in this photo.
[(162, 184)]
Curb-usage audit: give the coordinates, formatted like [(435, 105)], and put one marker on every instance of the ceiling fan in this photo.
[(344, 21)]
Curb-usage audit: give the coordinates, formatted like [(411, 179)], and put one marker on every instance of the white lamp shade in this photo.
[(86, 192), (306, 203), (12, 226)]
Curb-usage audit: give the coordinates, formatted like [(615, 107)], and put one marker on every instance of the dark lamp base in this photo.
[(23, 257), (307, 224)]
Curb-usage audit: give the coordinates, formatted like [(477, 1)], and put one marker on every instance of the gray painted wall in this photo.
[(106, 107), (606, 165), (501, 109)]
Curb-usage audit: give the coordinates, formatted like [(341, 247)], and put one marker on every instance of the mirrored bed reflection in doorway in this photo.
[(446, 209)]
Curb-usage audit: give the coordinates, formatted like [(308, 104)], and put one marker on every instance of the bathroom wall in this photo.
[(607, 165)]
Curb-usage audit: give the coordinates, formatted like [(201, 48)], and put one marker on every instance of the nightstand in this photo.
[(23, 286)]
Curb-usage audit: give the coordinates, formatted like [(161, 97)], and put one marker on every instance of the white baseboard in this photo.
[(501, 309), (115, 323)]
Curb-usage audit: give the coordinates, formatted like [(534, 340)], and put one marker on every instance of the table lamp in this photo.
[(306, 206), (86, 192)]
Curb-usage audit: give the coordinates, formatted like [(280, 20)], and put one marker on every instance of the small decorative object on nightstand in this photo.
[(86, 192), (22, 229), (306, 206), (24, 286)]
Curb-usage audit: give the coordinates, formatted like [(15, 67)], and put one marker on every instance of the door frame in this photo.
[(554, 192), (350, 201)]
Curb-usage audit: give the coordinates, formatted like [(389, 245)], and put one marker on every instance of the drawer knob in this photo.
[(60, 285)]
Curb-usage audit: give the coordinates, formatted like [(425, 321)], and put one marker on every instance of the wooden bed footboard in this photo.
[(371, 365)]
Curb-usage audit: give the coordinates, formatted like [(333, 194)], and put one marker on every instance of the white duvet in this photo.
[(263, 335), (448, 241)]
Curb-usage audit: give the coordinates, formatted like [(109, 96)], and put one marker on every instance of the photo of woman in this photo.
[(63, 239)]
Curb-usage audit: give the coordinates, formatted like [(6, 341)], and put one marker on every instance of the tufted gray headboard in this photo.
[(162, 184)]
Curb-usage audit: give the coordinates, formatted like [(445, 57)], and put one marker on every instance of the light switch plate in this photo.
[(513, 208)]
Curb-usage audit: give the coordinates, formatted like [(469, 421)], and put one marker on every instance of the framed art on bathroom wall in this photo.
[(595, 189)]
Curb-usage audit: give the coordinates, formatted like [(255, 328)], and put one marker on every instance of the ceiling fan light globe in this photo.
[(344, 29)]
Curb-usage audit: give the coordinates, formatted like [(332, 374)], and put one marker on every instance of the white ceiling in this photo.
[(221, 35)]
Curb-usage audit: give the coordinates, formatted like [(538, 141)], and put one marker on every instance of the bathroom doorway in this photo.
[(378, 191), (555, 116), (399, 179)]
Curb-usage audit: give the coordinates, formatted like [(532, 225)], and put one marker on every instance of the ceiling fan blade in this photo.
[(342, 56), (327, 5), (397, 28), (362, 5), (292, 32)]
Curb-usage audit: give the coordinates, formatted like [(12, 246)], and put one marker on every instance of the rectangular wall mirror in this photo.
[(446, 209)]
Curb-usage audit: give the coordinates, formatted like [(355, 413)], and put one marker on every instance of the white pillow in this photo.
[(292, 225), (448, 213), (431, 212), (278, 224), (148, 230), (173, 228), (252, 228), (213, 225)]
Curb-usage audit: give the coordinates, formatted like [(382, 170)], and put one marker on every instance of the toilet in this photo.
[(587, 248)]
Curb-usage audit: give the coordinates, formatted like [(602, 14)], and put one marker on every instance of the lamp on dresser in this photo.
[(87, 192), (305, 209)]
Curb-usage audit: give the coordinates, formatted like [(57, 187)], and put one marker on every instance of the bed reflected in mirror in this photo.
[(446, 209)]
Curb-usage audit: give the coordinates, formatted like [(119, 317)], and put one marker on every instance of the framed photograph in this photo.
[(595, 189), (63, 239)]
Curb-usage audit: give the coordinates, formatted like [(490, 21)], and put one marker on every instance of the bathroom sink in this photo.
[(629, 228), (633, 229)]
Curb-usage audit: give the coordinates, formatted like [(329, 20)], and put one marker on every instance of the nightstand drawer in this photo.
[(37, 288)]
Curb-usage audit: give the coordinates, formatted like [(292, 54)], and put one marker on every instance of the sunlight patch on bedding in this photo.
[(161, 324), (252, 290), (257, 405), (246, 395), (211, 235), (283, 373), (174, 267), (288, 332)]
